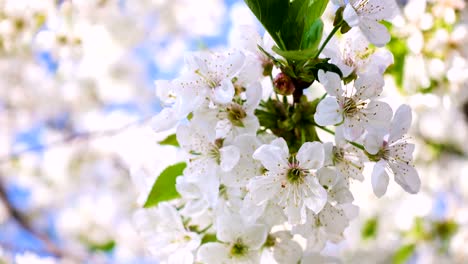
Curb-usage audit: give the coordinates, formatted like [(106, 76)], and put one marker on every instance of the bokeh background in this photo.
[(77, 93)]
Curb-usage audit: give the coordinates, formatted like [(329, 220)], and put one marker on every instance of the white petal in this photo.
[(375, 32), (353, 128), (319, 198), (334, 219), (164, 91), (380, 60), (164, 120), (188, 190), (368, 85), (263, 188), (331, 81), (233, 64), (213, 253), (254, 236), (373, 142), (328, 112), (381, 10), (401, 123), (295, 212), (287, 251), (253, 96), (194, 208), (229, 157), (311, 155), (350, 16), (224, 93), (328, 152), (281, 143), (379, 178), (406, 176), (378, 115), (229, 227), (327, 177), (273, 158)]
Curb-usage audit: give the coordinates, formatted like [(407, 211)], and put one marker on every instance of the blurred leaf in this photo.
[(170, 140), (403, 254), (400, 50), (104, 247), (209, 238), (370, 228), (164, 188)]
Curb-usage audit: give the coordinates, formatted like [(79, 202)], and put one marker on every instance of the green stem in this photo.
[(205, 229), (359, 146), (327, 130), (335, 29)]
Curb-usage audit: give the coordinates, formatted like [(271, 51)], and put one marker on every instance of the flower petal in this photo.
[(229, 157), (379, 178), (311, 155), (400, 124), (272, 157), (224, 93), (331, 81), (328, 112), (406, 176)]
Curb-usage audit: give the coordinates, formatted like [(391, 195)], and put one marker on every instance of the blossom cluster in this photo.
[(260, 183)]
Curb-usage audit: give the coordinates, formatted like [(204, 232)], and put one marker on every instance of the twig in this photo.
[(23, 222)]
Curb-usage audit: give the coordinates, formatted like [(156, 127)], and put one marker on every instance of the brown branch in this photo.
[(23, 222)]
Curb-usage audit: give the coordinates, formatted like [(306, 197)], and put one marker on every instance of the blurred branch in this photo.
[(23, 222), (84, 136)]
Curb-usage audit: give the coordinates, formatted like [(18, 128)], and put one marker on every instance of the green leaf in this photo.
[(271, 13), (403, 254), (208, 238), (369, 230), (104, 247), (295, 55), (164, 187), (292, 24), (170, 140), (312, 36)]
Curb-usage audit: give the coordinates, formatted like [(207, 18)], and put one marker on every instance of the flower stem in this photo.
[(335, 29)]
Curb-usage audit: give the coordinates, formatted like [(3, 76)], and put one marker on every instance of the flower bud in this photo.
[(284, 84)]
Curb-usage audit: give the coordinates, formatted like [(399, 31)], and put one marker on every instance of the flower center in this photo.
[(350, 106), (296, 175), (239, 248), (338, 155), (236, 114)]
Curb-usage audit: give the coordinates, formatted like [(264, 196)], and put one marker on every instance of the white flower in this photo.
[(164, 233), (356, 107), (196, 194), (281, 248), (246, 168), (209, 78), (235, 118), (336, 186), (393, 153), (366, 15), (290, 180), (347, 159), (239, 243), (207, 152), (355, 55), (329, 224)]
